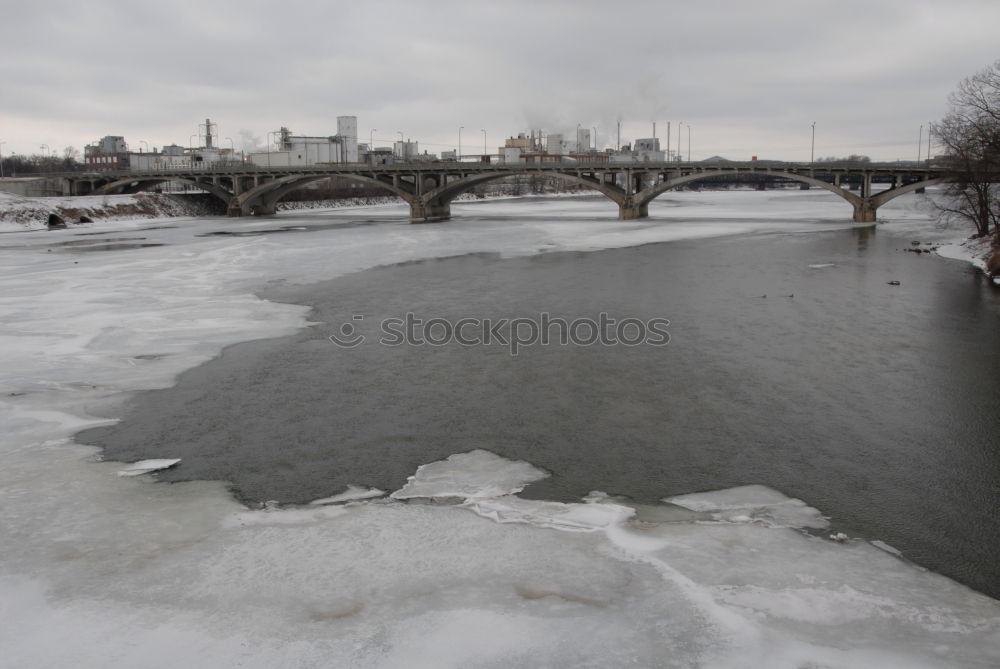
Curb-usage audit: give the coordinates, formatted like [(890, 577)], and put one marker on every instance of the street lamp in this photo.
[(460, 128), (142, 141), (578, 138), (1, 159), (679, 124), (689, 141), (920, 142), (812, 151), (371, 143), (930, 129), (485, 152)]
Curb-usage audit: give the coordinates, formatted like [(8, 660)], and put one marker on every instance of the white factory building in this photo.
[(646, 150), (300, 150)]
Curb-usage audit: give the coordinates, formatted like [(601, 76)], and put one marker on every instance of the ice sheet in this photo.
[(353, 493), (753, 504), (98, 570), (147, 466), (474, 474)]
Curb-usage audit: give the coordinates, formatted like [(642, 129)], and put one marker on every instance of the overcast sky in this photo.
[(749, 76)]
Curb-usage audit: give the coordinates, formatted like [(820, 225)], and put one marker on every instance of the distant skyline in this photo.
[(748, 78)]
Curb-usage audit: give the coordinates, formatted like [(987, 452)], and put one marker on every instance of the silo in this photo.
[(347, 128)]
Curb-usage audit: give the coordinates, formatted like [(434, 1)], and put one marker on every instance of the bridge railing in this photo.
[(239, 168)]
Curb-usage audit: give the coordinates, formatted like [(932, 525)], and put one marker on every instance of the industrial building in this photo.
[(112, 153), (294, 150)]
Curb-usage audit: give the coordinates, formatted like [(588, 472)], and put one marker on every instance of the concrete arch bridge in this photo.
[(430, 187)]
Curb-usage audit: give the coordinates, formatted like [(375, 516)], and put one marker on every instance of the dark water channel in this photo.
[(875, 403)]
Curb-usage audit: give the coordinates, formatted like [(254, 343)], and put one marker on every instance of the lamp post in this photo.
[(142, 141), (371, 144), (460, 142), (484, 142), (1, 159), (578, 138), (689, 141), (812, 151), (930, 129), (679, 124), (920, 142)]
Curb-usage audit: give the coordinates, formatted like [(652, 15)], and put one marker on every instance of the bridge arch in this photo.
[(136, 185), (864, 207), (264, 198), (450, 191), (881, 198), (648, 195)]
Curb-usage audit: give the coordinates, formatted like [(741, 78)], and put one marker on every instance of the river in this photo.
[(795, 361)]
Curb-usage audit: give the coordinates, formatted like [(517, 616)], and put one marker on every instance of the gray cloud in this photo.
[(747, 77)]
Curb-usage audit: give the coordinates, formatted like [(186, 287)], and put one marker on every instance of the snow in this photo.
[(974, 251), (99, 570), (18, 212)]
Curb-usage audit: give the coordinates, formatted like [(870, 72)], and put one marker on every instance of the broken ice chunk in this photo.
[(147, 466)]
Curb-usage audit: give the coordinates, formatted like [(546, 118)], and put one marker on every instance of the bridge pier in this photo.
[(264, 208), (864, 212), (629, 211), (426, 212)]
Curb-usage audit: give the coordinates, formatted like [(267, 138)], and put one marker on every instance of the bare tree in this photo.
[(970, 135)]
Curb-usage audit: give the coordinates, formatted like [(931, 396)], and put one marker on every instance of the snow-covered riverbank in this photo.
[(976, 251), (32, 213)]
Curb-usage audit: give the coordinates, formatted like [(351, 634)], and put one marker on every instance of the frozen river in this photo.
[(868, 402)]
